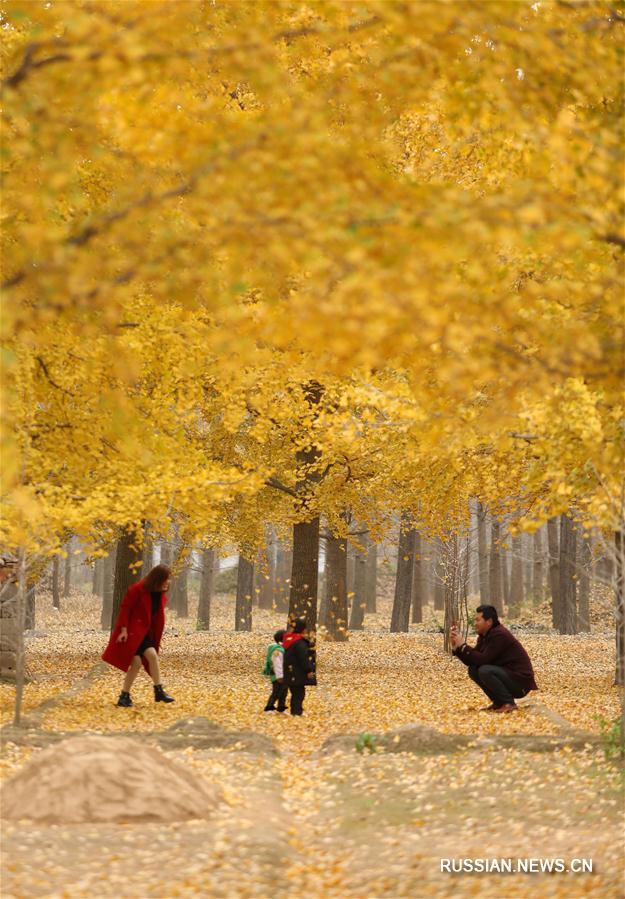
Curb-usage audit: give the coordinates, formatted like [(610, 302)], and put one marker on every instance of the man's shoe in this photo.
[(160, 695), (124, 700), (507, 707), (271, 709)]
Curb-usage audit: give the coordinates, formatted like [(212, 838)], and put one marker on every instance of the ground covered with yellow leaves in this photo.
[(338, 824)]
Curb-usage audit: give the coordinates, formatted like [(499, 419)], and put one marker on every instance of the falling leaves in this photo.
[(316, 816)]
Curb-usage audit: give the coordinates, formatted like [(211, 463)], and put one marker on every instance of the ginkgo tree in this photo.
[(395, 229)]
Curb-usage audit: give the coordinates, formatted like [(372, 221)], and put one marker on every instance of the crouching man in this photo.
[(497, 663)]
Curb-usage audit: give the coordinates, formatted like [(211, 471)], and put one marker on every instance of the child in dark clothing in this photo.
[(274, 668), (299, 665)]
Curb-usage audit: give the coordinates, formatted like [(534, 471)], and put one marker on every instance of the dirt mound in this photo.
[(104, 779), (202, 733), (414, 738)]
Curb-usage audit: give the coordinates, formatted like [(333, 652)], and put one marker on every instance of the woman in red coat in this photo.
[(136, 637)]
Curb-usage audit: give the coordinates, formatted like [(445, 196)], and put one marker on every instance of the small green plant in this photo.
[(611, 738), (436, 623), (366, 741)]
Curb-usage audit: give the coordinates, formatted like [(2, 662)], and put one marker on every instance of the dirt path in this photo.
[(338, 826), (341, 824)]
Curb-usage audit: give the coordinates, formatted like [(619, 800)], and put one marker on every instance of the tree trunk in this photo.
[(336, 589), (20, 614), (538, 576), (495, 575), (359, 600), (284, 565), (29, 621), (98, 576), (167, 553), (148, 551), (516, 578), (67, 572), (351, 572), (267, 575), (182, 593), (125, 557), (108, 574), (527, 562), (505, 574), (568, 581), (417, 592), (56, 588), (585, 570), (553, 538), (473, 560), (619, 588), (245, 590), (206, 590), (400, 616), (456, 586), (372, 578), (305, 573), (439, 574), (483, 561)]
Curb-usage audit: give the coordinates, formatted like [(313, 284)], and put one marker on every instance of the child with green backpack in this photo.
[(274, 668)]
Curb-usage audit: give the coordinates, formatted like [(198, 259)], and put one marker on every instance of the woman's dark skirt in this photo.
[(146, 643)]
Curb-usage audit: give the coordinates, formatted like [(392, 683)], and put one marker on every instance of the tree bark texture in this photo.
[(568, 579), (125, 556), (553, 539), (167, 553), (181, 582), (336, 604), (505, 574), (372, 578), (148, 551), (98, 577), (304, 573), (245, 589), (538, 576), (31, 596), (483, 560), (619, 588), (418, 583), (67, 570), (516, 578), (439, 574), (108, 576), (585, 571), (56, 586), (495, 575), (266, 574), (359, 599), (284, 565), (400, 616), (207, 582)]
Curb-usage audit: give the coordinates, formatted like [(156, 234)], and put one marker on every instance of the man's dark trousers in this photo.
[(297, 699), (278, 694), (499, 686)]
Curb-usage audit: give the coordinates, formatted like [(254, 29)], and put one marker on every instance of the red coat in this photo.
[(135, 614)]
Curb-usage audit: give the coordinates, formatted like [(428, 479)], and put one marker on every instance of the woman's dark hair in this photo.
[(299, 626), (154, 579), (278, 637), (489, 612)]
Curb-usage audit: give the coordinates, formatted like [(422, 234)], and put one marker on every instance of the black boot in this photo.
[(160, 695), (124, 699)]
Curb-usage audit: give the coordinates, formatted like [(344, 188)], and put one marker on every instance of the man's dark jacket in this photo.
[(499, 647), (298, 661)]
